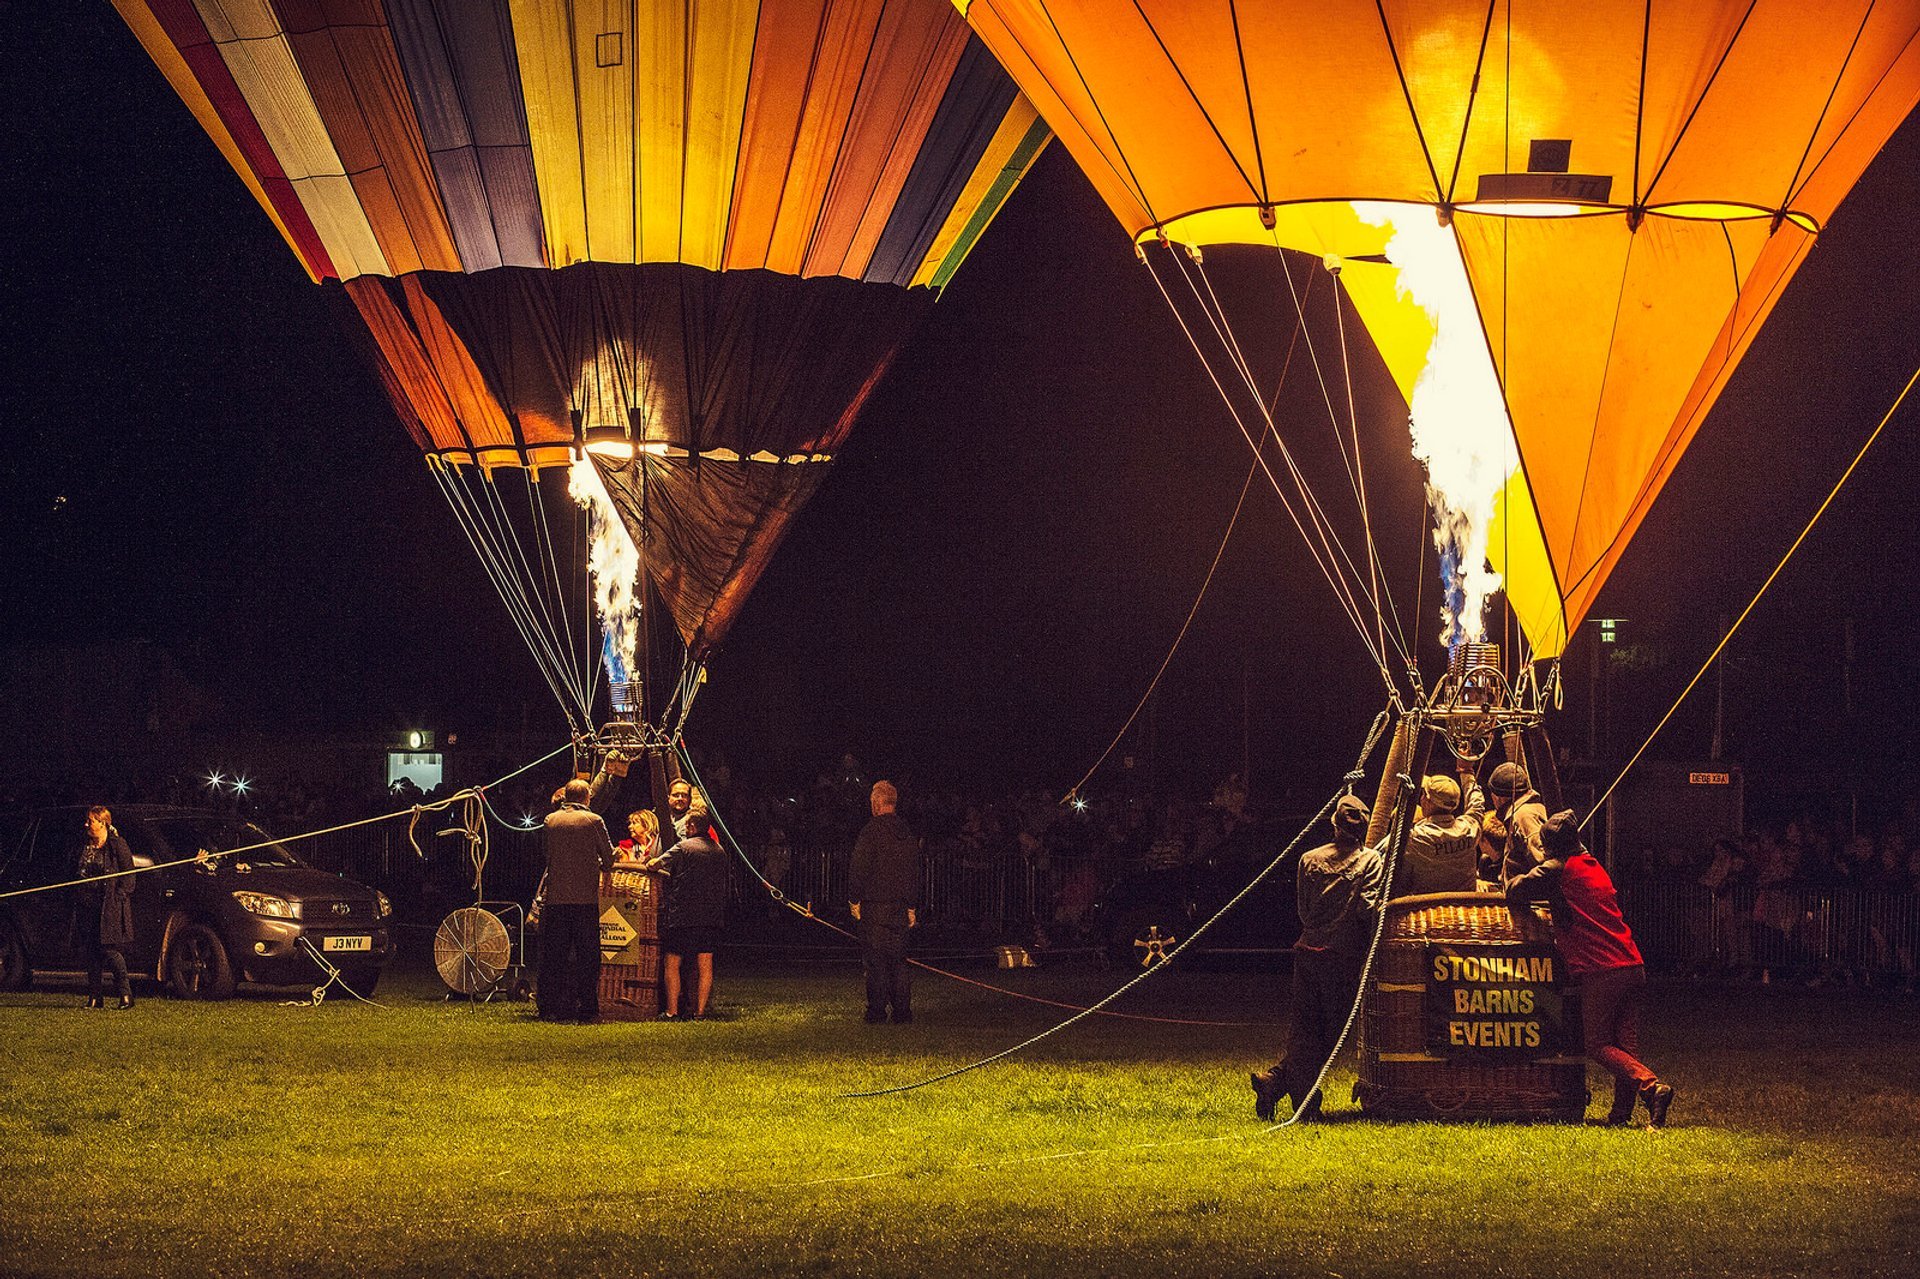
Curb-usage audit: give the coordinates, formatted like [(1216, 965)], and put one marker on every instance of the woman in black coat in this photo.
[(106, 908)]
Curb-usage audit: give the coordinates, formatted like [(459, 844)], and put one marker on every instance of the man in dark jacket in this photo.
[(1599, 951), (1510, 834), (106, 909), (884, 885), (1340, 890), (579, 854)]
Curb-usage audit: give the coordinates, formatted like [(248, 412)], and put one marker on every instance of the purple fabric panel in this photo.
[(508, 173), (465, 83), (976, 101)]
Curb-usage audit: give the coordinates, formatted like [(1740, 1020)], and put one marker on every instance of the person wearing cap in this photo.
[(1340, 889), (1599, 951), (1441, 854), (1510, 834)]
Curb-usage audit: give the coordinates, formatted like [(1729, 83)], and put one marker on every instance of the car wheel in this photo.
[(361, 979), (15, 972), (197, 964)]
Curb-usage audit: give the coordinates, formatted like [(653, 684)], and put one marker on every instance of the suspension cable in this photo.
[(1320, 558)]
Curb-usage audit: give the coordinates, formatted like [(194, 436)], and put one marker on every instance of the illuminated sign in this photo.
[(1494, 1002)]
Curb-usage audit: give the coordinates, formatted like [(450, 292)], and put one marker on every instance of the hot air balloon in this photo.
[(1562, 224), (659, 253)]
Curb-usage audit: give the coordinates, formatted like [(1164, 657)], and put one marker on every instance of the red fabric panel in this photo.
[(182, 24), (403, 368), (347, 57), (901, 90), (776, 93)]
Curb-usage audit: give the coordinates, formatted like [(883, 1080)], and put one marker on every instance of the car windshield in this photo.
[(187, 835)]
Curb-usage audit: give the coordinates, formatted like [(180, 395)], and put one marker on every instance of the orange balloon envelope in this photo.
[(1628, 186)]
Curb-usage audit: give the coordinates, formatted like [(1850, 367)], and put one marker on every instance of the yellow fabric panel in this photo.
[(147, 31), (603, 71), (1319, 228), (844, 44), (1544, 287), (659, 53), (1400, 327), (543, 43), (1600, 334), (1000, 149), (1780, 255), (1748, 137), (722, 60), (1557, 78), (1519, 555), (262, 64)]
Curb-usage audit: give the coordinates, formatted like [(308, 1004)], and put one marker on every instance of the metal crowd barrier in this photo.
[(1796, 932)]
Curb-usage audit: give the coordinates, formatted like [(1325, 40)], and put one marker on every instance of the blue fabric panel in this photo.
[(976, 101), (464, 79)]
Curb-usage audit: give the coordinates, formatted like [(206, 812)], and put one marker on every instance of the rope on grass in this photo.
[(413, 812), (333, 977), (805, 911), (1355, 775)]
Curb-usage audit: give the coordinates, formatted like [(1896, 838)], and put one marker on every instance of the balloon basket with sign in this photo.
[(1470, 1015), (630, 947)]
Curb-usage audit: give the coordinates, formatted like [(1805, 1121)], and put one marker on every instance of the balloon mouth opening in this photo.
[(608, 442)]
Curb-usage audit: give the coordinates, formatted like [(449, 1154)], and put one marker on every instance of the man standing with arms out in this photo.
[(1442, 848), (1510, 834), (884, 885), (1599, 951), (578, 856), (1340, 890)]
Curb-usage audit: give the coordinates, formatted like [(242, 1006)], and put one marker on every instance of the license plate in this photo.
[(346, 943)]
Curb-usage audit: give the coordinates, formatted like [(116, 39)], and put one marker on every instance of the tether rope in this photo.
[(1719, 648), (1356, 774), (411, 811), (806, 912)]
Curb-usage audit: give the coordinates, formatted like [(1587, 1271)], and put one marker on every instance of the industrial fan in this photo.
[(478, 955)]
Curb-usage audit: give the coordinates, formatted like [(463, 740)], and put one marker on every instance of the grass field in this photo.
[(430, 1138)]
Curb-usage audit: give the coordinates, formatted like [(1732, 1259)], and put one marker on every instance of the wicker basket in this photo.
[(630, 982), (631, 992), (1401, 1076)]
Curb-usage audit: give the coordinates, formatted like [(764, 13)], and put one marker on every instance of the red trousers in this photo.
[(1610, 1020)]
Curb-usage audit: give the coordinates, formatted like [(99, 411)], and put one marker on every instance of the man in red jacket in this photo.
[(1594, 940)]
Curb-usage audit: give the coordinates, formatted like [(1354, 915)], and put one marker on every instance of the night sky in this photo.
[(196, 458)]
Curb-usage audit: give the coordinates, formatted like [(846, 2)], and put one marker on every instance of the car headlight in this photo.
[(381, 906), (266, 904)]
